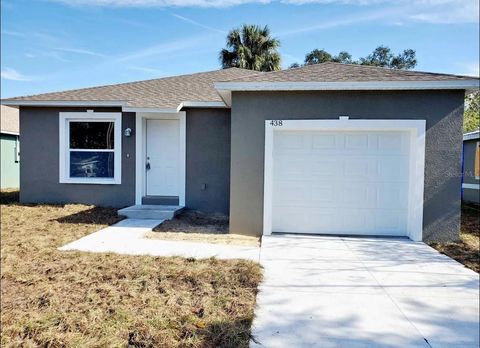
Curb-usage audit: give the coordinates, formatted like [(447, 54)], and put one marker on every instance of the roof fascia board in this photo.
[(351, 85), (92, 103), (157, 110), (471, 136), (189, 104), (9, 132), (202, 104), (186, 104)]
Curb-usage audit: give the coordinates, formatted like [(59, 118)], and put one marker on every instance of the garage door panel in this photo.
[(340, 182), (304, 220), (289, 168), (289, 219), (390, 222), (300, 194), (359, 169), (289, 193), (324, 141), (393, 142), (392, 196), (355, 141), (320, 220), (290, 141), (324, 167), (355, 195), (355, 221), (392, 169)]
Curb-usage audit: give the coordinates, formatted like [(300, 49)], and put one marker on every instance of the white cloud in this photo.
[(446, 11), (80, 51), (431, 11), (160, 3), (12, 74), (53, 55), (146, 69), (12, 33), (191, 21), (29, 55), (185, 45), (343, 21)]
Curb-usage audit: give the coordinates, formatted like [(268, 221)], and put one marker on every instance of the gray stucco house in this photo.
[(471, 167), (327, 148)]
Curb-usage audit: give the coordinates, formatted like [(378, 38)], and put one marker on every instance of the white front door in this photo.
[(341, 182), (163, 157)]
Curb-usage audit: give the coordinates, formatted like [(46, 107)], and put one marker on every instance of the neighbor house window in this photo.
[(90, 148)]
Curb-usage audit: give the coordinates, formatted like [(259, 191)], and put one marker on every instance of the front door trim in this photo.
[(416, 129), (140, 151)]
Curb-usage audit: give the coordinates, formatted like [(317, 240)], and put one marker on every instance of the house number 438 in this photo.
[(276, 123)]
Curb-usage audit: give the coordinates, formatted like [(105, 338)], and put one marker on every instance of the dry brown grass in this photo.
[(197, 227), (467, 250), (73, 299)]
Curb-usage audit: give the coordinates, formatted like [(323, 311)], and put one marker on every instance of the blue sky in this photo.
[(51, 45)]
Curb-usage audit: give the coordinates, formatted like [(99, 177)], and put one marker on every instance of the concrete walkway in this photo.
[(363, 292), (127, 237)]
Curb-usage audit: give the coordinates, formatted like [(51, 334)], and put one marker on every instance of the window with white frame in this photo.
[(90, 147)]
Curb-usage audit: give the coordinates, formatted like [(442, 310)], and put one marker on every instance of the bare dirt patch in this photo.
[(467, 250), (51, 298), (198, 227)]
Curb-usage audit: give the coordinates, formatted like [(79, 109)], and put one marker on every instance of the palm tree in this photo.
[(251, 47)]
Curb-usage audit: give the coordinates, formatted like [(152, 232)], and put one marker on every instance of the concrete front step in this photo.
[(156, 212)]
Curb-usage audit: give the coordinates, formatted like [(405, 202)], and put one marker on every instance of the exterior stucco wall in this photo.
[(208, 160), (39, 165), (469, 148), (9, 168), (442, 110)]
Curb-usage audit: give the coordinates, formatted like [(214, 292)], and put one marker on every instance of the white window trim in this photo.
[(64, 161), (416, 129), (140, 151)]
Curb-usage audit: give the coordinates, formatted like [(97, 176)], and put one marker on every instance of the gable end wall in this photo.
[(442, 110)]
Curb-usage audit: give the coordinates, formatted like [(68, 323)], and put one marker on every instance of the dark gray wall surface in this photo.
[(442, 110), (471, 195), (469, 147), (208, 160), (39, 167)]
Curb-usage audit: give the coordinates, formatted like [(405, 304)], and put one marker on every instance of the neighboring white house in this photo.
[(10, 148)]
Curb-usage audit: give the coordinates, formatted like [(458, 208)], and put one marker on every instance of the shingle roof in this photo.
[(168, 92), (337, 72), (171, 92)]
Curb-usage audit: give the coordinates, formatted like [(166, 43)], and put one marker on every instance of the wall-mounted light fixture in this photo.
[(127, 132)]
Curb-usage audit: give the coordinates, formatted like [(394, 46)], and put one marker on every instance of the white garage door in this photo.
[(339, 182)]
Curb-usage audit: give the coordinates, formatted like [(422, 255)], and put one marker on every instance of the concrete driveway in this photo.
[(363, 292)]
